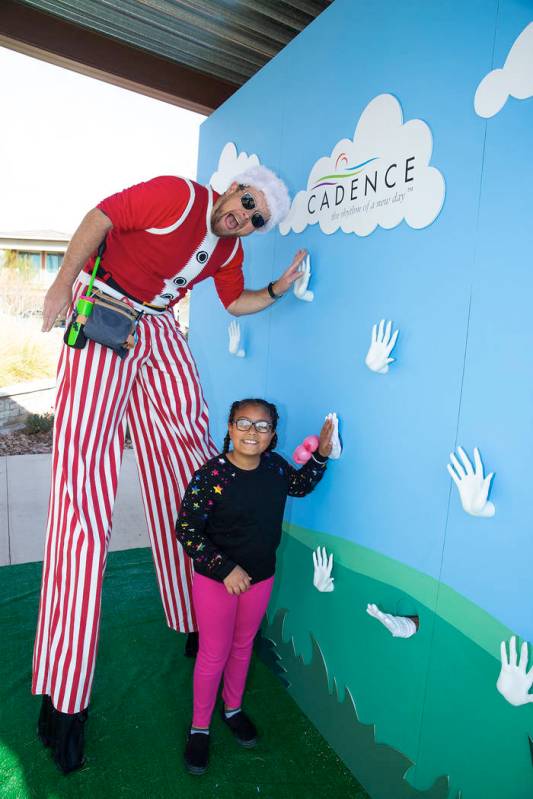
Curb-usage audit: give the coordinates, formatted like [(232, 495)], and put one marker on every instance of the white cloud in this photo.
[(515, 79), (380, 177), (229, 165)]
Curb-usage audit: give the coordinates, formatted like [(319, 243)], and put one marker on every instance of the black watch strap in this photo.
[(270, 289)]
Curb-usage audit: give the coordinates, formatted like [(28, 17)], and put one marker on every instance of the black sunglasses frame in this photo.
[(248, 203)]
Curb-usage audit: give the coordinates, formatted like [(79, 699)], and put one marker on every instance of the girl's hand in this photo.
[(324, 445), (237, 581)]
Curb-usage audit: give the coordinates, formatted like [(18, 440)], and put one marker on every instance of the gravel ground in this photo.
[(21, 443)]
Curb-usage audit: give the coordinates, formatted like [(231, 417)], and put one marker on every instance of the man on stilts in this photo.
[(162, 237)]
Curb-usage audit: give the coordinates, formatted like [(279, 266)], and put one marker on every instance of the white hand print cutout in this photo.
[(515, 681), (234, 331), (300, 289), (322, 579), (381, 345), (398, 626), (473, 487)]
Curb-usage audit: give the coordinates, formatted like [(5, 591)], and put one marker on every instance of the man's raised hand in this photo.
[(291, 275)]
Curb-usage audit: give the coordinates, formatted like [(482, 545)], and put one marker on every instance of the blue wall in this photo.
[(459, 290)]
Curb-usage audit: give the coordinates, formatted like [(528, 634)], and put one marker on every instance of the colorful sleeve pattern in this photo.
[(197, 504), (303, 481)]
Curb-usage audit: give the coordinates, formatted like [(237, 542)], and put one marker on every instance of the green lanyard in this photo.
[(98, 258)]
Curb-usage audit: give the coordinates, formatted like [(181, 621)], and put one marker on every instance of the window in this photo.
[(31, 260), (53, 261)]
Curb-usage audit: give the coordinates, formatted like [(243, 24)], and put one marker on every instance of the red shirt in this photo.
[(161, 244)]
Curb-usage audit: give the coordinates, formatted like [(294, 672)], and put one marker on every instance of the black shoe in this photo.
[(191, 645), (196, 753), (69, 740), (242, 728), (45, 725)]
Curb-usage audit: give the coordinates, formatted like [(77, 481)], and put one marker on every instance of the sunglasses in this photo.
[(244, 424), (248, 203)]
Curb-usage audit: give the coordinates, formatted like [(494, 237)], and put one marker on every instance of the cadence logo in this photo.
[(380, 177)]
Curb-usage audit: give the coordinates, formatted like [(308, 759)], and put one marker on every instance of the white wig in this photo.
[(274, 189)]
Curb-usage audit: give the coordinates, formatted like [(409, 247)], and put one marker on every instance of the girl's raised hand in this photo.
[(324, 445), (237, 581)]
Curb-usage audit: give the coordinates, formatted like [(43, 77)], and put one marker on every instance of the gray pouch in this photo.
[(112, 323)]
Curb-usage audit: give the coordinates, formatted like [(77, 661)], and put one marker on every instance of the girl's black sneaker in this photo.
[(196, 753), (242, 728)]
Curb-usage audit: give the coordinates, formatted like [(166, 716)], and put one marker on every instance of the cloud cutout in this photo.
[(379, 177), (515, 79), (229, 165)]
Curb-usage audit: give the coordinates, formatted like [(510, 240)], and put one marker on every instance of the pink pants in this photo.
[(227, 625)]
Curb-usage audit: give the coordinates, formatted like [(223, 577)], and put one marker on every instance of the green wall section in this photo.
[(421, 693), (468, 618)]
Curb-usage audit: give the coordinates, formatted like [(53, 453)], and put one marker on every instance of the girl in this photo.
[(230, 525)]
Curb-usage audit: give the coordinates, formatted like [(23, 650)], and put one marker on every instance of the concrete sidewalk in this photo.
[(24, 489)]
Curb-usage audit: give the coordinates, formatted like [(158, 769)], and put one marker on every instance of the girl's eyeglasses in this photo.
[(248, 203), (243, 424)]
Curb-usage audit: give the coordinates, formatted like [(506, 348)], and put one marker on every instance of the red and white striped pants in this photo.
[(156, 391)]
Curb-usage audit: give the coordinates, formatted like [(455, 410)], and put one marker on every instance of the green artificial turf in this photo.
[(141, 707)]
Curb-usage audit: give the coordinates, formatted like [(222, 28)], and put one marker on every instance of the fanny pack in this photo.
[(102, 318), (112, 323)]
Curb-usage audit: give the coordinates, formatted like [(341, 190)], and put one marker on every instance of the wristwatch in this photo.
[(270, 289)]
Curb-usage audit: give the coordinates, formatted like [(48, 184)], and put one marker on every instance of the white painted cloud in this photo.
[(229, 165), (379, 177), (515, 79)]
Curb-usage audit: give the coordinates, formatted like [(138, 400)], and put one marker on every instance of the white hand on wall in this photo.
[(381, 345), (398, 626), (300, 286), (234, 331), (473, 487), (336, 446), (514, 681), (322, 579)]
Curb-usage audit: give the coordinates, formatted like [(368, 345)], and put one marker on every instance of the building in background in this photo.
[(41, 250)]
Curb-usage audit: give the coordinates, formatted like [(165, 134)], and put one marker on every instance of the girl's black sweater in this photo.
[(232, 517)]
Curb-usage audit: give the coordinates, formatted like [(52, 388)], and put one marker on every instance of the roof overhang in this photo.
[(192, 53)]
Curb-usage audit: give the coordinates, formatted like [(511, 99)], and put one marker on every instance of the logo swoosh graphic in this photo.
[(350, 173)]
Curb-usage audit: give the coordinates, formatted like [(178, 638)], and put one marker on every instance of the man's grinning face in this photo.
[(230, 218)]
